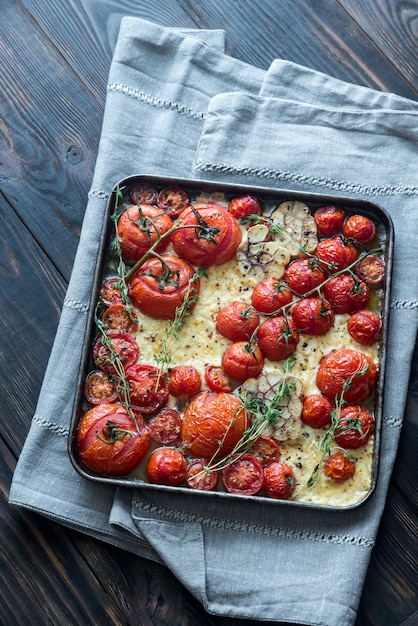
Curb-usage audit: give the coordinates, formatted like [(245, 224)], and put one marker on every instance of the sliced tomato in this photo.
[(99, 388), (173, 200), (148, 391), (244, 475), (166, 466), (123, 348), (165, 427), (216, 379), (111, 292), (120, 317), (142, 193), (371, 270), (266, 450), (198, 477)]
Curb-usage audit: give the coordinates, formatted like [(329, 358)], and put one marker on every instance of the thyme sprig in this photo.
[(113, 432)]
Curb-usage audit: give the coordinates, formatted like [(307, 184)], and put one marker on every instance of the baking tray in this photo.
[(269, 197)]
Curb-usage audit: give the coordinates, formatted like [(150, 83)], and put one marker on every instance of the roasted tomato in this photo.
[(348, 371), (329, 219), (244, 475), (277, 338), (364, 327), (335, 255), (99, 388), (266, 450), (304, 276), (148, 391), (165, 427), (142, 193), (166, 466), (173, 200), (199, 477), (270, 295), (237, 321), (243, 206), (162, 285), (279, 481), (212, 238), (313, 316), (124, 346), (111, 292), (316, 411), (345, 294), (242, 360), (360, 228), (371, 270), (109, 442), (355, 427), (216, 379), (213, 423), (184, 381), (120, 317), (139, 227), (339, 467)]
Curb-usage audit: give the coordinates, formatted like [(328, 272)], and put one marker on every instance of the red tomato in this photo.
[(304, 276), (216, 379), (277, 338), (242, 360), (360, 228), (341, 367), (237, 321), (270, 295), (166, 466), (243, 206), (336, 255), (142, 193), (148, 391), (329, 219), (159, 287), (244, 475), (201, 248), (355, 427), (345, 294), (339, 467), (139, 228), (266, 450), (185, 381), (279, 481), (197, 477), (173, 200), (371, 270), (364, 327), (313, 316), (316, 411), (165, 427), (108, 441), (124, 346), (99, 388), (110, 292), (120, 317), (213, 423)]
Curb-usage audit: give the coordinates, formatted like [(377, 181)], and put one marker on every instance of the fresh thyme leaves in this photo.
[(113, 432), (204, 231)]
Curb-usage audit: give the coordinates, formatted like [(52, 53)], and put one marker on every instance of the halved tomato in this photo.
[(244, 475)]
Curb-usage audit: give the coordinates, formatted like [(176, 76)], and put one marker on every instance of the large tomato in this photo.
[(159, 287), (277, 338), (242, 360), (345, 294), (200, 246), (346, 368), (109, 442), (139, 227), (213, 423), (237, 321)]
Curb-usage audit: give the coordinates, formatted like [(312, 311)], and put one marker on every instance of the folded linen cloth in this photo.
[(177, 106)]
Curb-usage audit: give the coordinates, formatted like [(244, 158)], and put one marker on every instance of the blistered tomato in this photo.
[(278, 338), (166, 466), (348, 371), (237, 321), (270, 295), (242, 360), (313, 316)]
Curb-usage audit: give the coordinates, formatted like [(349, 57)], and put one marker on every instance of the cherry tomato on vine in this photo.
[(237, 321), (345, 294), (123, 344), (184, 381), (142, 193), (139, 227), (349, 369), (339, 467), (165, 427), (173, 200), (119, 317), (111, 292), (313, 316), (371, 270), (99, 388), (148, 391), (316, 411), (364, 327), (336, 255), (266, 450), (244, 475), (279, 481), (329, 219), (166, 466), (197, 477), (216, 379), (355, 427), (270, 295), (277, 338), (243, 206), (304, 276), (360, 228), (242, 360)]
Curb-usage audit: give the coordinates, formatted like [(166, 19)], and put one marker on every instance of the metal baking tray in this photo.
[(269, 198)]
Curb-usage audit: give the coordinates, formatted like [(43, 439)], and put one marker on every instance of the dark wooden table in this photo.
[(54, 62)]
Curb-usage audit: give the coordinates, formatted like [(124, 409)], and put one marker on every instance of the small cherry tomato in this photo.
[(348, 371), (198, 477), (99, 388), (120, 317), (316, 411), (242, 360), (173, 200), (109, 442), (279, 481), (266, 450), (335, 255), (345, 294), (371, 270), (364, 327), (244, 475), (213, 423), (243, 206), (161, 285), (166, 466), (304, 276), (184, 381), (165, 427), (329, 219), (124, 347), (355, 427), (313, 316), (237, 321), (111, 292), (339, 467), (139, 227), (148, 391), (277, 338), (360, 228), (216, 379), (142, 193), (270, 295)]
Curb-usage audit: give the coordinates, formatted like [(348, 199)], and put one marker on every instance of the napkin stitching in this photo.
[(394, 422), (56, 428), (98, 193), (404, 304), (76, 305)]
